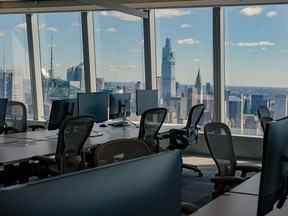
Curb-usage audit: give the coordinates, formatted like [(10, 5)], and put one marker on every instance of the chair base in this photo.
[(194, 168)]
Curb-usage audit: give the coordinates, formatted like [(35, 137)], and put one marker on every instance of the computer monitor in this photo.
[(119, 104), (146, 99), (95, 104), (273, 175), (149, 185), (59, 111), (3, 109)]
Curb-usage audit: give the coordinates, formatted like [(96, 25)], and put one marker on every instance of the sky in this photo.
[(256, 45)]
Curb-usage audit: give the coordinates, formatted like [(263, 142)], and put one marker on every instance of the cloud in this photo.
[(2, 34), (251, 11), (170, 13), (188, 41), (21, 27), (42, 26), (261, 44), (120, 68), (196, 60), (51, 29), (51, 45), (75, 24), (271, 13), (111, 29), (120, 16), (185, 25)]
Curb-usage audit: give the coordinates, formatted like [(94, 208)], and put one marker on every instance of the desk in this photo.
[(250, 187), (7, 140), (231, 204), (23, 146)]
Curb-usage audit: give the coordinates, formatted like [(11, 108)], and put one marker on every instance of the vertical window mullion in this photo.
[(218, 63), (35, 65)]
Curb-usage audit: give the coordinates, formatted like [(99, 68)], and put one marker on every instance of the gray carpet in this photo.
[(198, 190)]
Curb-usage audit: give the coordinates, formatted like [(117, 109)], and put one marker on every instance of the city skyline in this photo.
[(192, 40)]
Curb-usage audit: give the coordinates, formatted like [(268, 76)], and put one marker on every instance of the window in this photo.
[(14, 63), (255, 64), (61, 56), (185, 61), (119, 51)]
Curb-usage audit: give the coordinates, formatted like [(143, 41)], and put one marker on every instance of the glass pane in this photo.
[(185, 61), (14, 63), (119, 54), (61, 56), (256, 65)]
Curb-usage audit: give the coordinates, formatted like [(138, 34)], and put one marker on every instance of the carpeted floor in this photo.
[(198, 190)]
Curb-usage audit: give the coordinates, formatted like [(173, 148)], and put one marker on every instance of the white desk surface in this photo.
[(21, 146), (250, 187), (231, 204)]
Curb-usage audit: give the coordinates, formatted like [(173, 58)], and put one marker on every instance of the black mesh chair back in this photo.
[(3, 108), (219, 140), (58, 113), (119, 150), (16, 117), (195, 115), (71, 138), (264, 116), (150, 124)]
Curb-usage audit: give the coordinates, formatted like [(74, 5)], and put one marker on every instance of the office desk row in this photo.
[(23, 146), (240, 201)]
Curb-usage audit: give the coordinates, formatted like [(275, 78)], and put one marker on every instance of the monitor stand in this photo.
[(122, 123)]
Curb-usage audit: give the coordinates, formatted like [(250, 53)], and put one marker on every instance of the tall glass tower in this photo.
[(168, 82)]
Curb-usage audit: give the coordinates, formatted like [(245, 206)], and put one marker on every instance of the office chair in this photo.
[(3, 108), (72, 136), (16, 117), (219, 141), (264, 116), (119, 150), (182, 138), (150, 124)]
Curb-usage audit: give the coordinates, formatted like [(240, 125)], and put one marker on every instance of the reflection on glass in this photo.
[(14, 64), (185, 64), (61, 57)]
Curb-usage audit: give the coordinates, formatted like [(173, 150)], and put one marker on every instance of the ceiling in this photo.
[(18, 6)]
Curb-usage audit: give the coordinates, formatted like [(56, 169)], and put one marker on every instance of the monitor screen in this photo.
[(95, 104), (149, 185), (275, 138), (59, 111), (119, 102), (3, 108), (146, 99)]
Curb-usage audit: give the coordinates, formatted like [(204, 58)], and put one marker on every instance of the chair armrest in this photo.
[(35, 127), (45, 160), (247, 169), (178, 131), (10, 129), (229, 180), (188, 208), (163, 135)]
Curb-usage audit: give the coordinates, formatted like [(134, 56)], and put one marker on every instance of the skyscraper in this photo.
[(198, 82), (280, 107), (75, 75), (198, 88), (168, 82), (256, 101)]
